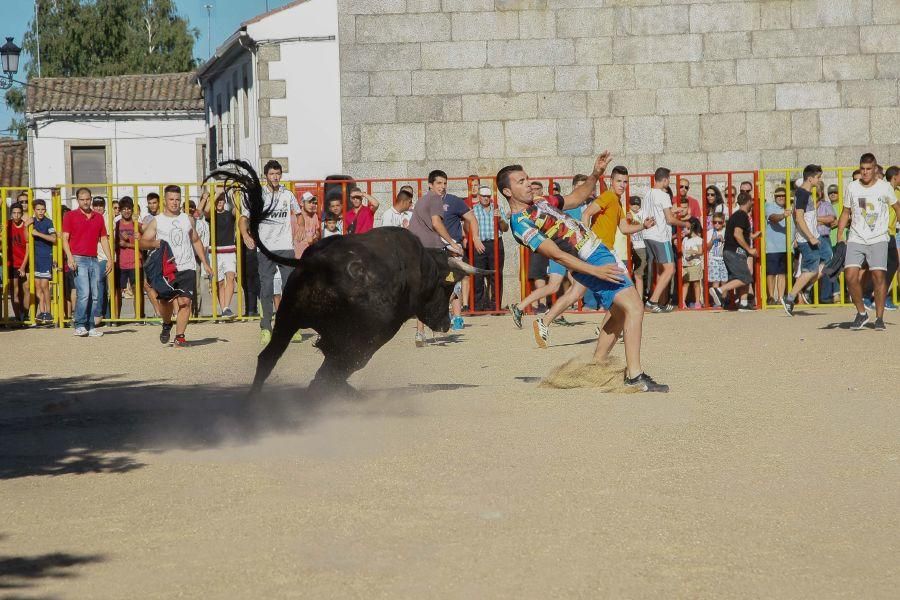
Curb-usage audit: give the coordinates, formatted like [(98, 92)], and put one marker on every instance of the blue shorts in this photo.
[(42, 268), (809, 258), (604, 291), (556, 269)]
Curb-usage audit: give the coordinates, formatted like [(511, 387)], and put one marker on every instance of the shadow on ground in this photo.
[(57, 426), (22, 572)]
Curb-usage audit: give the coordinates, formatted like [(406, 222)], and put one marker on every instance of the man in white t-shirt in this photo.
[(657, 205), (867, 203), (277, 235), (399, 214)]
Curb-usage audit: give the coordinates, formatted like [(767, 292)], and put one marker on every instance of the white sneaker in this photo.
[(95, 333), (541, 333), (80, 332)]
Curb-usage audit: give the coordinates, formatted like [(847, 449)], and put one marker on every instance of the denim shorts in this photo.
[(810, 258)]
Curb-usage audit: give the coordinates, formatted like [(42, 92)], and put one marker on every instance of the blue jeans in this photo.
[(87, 287), (828, 286)]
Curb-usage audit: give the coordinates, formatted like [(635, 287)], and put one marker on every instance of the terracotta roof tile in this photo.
[(172, 91), (13, 163)]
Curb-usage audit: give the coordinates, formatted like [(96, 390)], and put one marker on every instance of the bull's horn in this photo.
[(466, 267)]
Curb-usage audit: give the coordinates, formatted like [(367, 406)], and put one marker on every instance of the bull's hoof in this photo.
[(333, 388)]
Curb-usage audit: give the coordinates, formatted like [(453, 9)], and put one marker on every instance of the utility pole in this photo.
[(208, 8), (37, 29)]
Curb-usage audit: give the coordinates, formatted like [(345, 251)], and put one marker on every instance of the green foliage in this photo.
[(81, 38)]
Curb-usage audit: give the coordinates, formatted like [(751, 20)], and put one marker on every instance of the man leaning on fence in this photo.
[(83, 229), (277, 234), (487, 296)]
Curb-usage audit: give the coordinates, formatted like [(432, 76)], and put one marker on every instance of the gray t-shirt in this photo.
[(421, 224)]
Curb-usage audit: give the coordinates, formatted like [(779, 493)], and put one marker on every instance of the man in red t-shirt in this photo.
[(689, 202), (17, 249), (361, 217), (82, 230)]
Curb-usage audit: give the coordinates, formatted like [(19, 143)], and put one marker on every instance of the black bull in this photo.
[(356, 291)]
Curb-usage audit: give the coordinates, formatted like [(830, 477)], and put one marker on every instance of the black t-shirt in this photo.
[(224, 229), (740, 219)]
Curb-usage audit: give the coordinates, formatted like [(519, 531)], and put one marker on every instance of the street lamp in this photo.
[(9, 54)]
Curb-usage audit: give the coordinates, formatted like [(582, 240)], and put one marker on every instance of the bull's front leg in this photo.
[(345, 357)]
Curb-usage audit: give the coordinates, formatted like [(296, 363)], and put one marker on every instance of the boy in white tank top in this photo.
[(176, 229)]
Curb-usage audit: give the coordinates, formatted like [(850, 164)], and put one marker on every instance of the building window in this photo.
[(88, 164), (219, 129)]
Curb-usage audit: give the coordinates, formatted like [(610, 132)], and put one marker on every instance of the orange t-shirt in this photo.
[(606, 222)]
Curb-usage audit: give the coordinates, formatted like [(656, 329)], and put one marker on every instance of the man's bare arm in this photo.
[(580, 194)]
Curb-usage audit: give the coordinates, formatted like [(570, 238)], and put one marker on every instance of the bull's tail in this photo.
[(245, 180)]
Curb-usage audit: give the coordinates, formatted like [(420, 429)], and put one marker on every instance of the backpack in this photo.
[(160, 271)]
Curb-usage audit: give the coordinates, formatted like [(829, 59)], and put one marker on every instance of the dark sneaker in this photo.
[(860, 321), (745, 308), (165, 334), (541, 333), (662, 308), (716, 296), (879, 325), (516, 315), (645, 383), (561, 320), (807, 297), (788, 305), (180, 342)]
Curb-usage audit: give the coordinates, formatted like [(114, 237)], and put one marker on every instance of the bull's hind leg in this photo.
[(284, 330)]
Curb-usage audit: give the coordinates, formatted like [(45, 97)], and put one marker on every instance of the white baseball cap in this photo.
[(307, 196), (485, 191)]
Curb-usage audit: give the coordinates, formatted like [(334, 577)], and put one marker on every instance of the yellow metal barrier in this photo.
[(769, 179)]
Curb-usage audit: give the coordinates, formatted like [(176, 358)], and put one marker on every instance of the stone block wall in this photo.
[(470, 85)]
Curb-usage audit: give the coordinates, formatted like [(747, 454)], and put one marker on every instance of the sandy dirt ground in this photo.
[(772, 470)]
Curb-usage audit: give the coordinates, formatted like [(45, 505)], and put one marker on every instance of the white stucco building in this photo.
[(124, 130), (272, 91)]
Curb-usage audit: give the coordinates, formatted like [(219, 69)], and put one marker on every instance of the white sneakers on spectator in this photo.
[(82, 332)]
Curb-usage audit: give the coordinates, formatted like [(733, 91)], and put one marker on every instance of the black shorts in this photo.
[(736, 263), (126, 276), (892, 261), (537, 266), (776, 263), (186, 284), (69, 280)]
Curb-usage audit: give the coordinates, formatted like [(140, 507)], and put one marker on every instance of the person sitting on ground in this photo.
[(692, 263), (361, 216), (17, 262), (400, 213), (738, 246)]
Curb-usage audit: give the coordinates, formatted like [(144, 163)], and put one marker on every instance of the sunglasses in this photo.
[(357, 197), (780, 196), (711, 195), (718, 222), (684, 187)]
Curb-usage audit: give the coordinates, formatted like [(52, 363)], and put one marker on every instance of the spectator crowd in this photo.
[(681, 251)]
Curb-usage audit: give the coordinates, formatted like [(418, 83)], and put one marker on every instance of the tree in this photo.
[(105, 38)]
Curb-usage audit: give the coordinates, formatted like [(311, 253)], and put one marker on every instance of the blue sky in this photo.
[(226, 16)]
